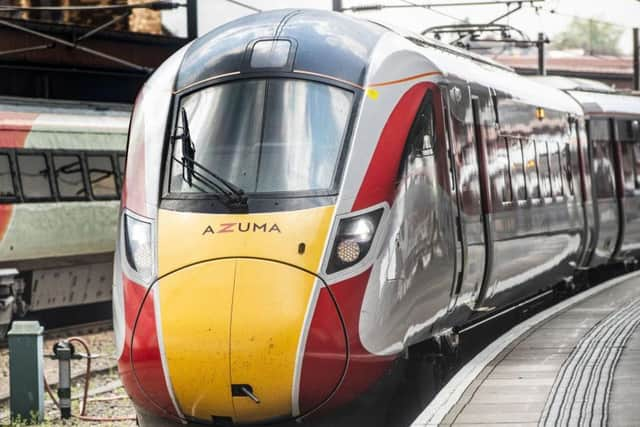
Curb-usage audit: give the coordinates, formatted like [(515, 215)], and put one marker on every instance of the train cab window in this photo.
[(34, 176), (102, 177), (68, 174), (518, 186), (531, 169), (7, 188), (263, 136), (555, 168), (543, 169)]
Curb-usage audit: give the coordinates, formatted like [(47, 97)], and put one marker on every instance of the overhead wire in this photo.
[(245, 5), (430, 9)]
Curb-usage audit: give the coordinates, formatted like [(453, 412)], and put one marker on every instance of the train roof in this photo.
[(573, 83), (603, 103), (466, 66), (326, 43), (43, 115), (341, 46), (595, 97)]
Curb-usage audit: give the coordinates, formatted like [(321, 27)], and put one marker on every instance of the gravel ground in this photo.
[(99, 344), (104, 385)]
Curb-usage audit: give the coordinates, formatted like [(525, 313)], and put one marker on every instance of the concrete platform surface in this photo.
[(574, 364)]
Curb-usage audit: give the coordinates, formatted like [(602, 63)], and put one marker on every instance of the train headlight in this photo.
[(138, 245), (353, 240)]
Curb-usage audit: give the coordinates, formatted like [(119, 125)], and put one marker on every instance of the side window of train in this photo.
[(7, 185), (421, 137), (122, 160), (555, 168), (603, 170), (465, 149), (543, 169), (518, 186), (69, 177), (567, 164), (627, 140), (531, 168), (102, 176), (34, 176), (500, 170)]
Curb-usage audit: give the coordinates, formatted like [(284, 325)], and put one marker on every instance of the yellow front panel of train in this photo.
[(269, 304), (185, 238), (233, 298), (195, 308)]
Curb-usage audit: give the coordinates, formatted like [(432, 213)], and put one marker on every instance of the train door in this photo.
[(604, 188), (627, 137), (470, 221)]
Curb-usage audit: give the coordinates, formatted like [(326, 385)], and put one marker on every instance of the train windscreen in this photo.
[(263, 136)]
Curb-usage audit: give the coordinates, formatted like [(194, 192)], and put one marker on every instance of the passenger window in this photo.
[(499, 161), (518, 187), (34, 175), (543, 169), (555, 168), (603, 169), (7, 189), (121, 163), (102, 176), (627, 138), (636, 162), (68, 173), (628, 167), (531, 169)]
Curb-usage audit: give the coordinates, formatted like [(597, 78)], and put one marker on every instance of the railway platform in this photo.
[(574, 364)]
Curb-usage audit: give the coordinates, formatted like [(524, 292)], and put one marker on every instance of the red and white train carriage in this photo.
[(308, 196)]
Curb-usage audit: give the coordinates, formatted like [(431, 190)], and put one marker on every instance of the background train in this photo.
[(61, 167), (310, 197)]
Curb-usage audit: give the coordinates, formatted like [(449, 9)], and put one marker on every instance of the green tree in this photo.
[(595, 37)]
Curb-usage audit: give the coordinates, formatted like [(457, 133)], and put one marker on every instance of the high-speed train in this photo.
[(309, 197), (61, 165)]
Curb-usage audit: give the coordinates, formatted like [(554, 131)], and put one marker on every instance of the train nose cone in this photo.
[(231, 333)]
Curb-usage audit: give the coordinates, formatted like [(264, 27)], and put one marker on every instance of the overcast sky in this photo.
[(551, 18)]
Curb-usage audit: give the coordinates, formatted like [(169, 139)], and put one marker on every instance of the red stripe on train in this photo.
[(323, 360), (140, 364), (379, 182), (15, 128)]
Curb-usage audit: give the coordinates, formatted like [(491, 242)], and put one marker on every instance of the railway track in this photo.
[(86, 328)]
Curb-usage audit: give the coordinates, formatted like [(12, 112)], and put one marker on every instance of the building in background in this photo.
[(57, 54)]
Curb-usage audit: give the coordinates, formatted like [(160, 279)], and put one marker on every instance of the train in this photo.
[(309, 197), (61, 168)]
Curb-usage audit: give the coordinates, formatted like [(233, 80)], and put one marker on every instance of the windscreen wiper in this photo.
[(233, 193)]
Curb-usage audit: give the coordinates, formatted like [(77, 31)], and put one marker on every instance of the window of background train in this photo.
[(7, 189), (68, 174), (518, 187), (34, 176), (102, 177)]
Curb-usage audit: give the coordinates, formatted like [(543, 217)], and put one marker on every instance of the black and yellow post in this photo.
[(63, 351), (26, 371)]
